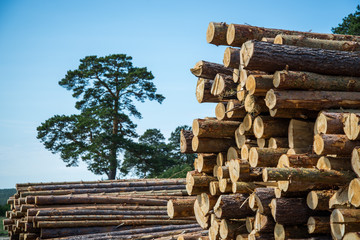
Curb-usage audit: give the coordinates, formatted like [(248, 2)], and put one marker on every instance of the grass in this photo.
[(2, 231)]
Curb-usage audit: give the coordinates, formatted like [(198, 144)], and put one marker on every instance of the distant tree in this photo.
[(105, 89), (350, 24), (153, 157)]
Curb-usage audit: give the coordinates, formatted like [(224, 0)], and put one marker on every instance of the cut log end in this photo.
[(248, 50), (250, 84), (312, 200), (279, 231), (318, 144), (323, 163), (351, 126), (270, 99), (278, 39), (230, 35), (321, 124), (243, 78), (210, 32), (337, 230), (311, 224), (220, 111), (355, 161), (170, 209), (354, 192), (253, 157), (258, 127)]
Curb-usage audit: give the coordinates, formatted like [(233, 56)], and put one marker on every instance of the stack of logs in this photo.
[(118, 209), (282, 157)]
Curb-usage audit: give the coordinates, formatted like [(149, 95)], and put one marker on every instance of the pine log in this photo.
[(297, 160), (230, 229), (264, 223), (209, 70), (352, 236), (355, 160), (330, 177), (243, 187), (232, 207), (220, 111), (334, 144), (74, 211), (300, 133), (231, 57), (236, 75), (254, 235), (293, 113), (245, 151), (255, 104), (273, 57), (250, 224), (185, 141), (319, 200), (330, 122), (240, 93), (302, 41), (344, 221), (207, 202), (318, 225), (266, 39), (214, 188), (245, 73), (237, 34), (199, 180), (282, 232), (235, 110), (311, 100), (180, 208), (211, 145), (312, 81), (225, 185), (233, 153), (214, 128), (242, 140), (334, 163), (351, 125), (203, 91), (191, 236), (340, 198), (223, 172), (224, 87), (196, 190), (263, 197), (258, 85), (201, 218), (265, 157), (354, 192), (220, 158), (206, 162), (216, 33), (278, 142), (266, 127)]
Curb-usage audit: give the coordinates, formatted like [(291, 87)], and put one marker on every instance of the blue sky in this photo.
[(41, 40)]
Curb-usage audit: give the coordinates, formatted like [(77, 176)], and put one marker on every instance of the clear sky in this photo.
[(41, 40)]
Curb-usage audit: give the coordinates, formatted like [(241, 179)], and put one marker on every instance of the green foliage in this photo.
[(153, 157), (105, 89), (5, 194), (350, 24), (3, 209), (2, 231)]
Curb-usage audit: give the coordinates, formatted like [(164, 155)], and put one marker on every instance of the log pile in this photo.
[(281, 160), (118, 209)]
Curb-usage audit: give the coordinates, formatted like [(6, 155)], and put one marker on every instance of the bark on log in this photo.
[(209, 70), (235, 110), (266, 127), (334, 163), (230, 229), (263, 197), (232, 57), (318, 225), (344, 221), (319, 200), (278, 142), (222, 172), (203, 128), (237, 34), (330, 177), (282, 232), (243, 187), (334, 144), (298, 161), (311, 100), (255, 104), (330, 122), (185, 141), (220, 111), (258, 85), (203, 91), (216, 33), (206, 162), (313, 81), (212, 145), (180, 208), (207, 203), (293, 113), (300, 133), (265, 157), (302, 41), (232, 207), (224, 87), (264, 223), (269, 57)]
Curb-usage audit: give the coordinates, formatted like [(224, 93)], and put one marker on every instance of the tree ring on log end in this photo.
[(270, 99), (258, 127), (253, 157), (354, 192), (318, 144), (312, 200), (337, 229), (279, 231), (355, 161)]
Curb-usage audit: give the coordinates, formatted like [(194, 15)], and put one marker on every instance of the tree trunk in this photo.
[(343, 221), (266, 127), (265, 157), (214, 128), (269, 57), (232, 57), (232, 207), (313, 81), (319, 225), (354, 192), (319, 199), (300, 134), (264, 223), (278, 142), (212, 145), (180, 208), (334, 163), (334, 144), (209, 70), (263, 197), (290, 211), (216, 33), (185, 141), (235, 110), (237, 34), (258, 85), (309, 42), (297, 161), (293, 113)]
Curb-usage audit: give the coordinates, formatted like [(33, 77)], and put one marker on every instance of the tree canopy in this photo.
[(106, 89), (350, 24)]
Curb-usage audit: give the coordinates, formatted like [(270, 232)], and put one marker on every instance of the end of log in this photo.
[(354, 192), (216, 33), (270, 99), (318, 144)]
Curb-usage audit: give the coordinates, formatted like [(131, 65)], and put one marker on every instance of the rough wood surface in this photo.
[(232, 57), (258, 85), (186, 137), (203, 128), (212, 145), (209, 70), (216, 33), (232, 207), (298, 160), (334, 144), (300, 133), (265, 157), (266, 127)]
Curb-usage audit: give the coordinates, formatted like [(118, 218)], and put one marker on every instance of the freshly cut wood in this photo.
[(220, 111), (201, 218), (206, 162), (195, 190), (207, 202), (300, 133), (247, 121), (343, 221), (209, 70), (211, 145), (352, 236), (259, 84), (319, 199), (232, 207), (240, 93), (330, 122), (245, 73), (313, 81), (311, 100), (334, 144), (232, 57), (261, 142), (233, 153), (224, 87), (237, 34), (235, 110), (186, 137), (290, 210), (203, 91), (278, 142), (269, 57), (340, 198), (201, 180), (334, 163), (250, 224), (263, 197), (243, 187), (329, 177), (293, 113), (355, 160), (264, 223), (214, 128), (237, 167), (266, 39), (351, 126), (319, 225), (236, 75), (242, 140), (266, 127), (220, 158), (222, 172), (216, 33), (230, 229), (225, 185), (298, 160), (245, 151), (265, 157), (283, 232), (180, 208), (191, 236), (254, 104), (214, 188), (72, 211), (354, 192), (302, 41)]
